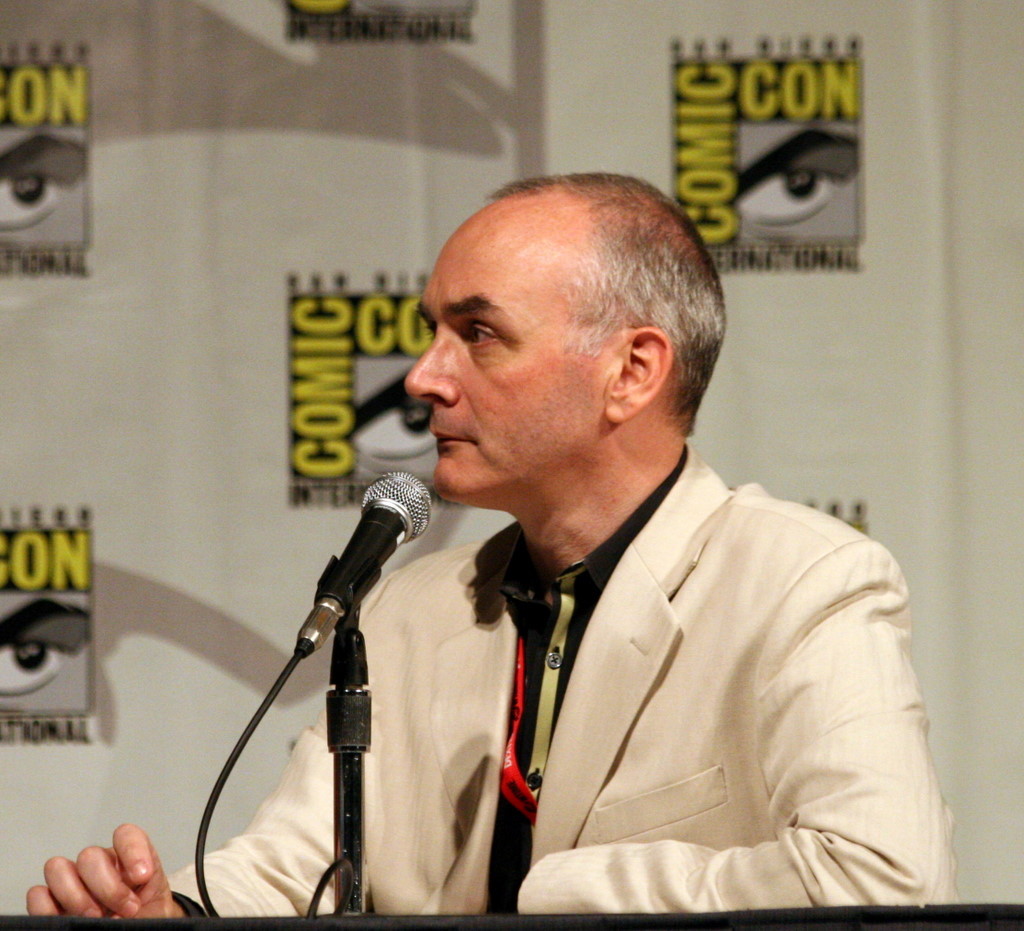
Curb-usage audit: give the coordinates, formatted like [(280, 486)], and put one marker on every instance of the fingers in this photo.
[(141, 868), (100, 877), (89, 887), (135, 854), (38, 901), (123, 881)]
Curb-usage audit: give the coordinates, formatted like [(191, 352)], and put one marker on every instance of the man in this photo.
[(652, 693)]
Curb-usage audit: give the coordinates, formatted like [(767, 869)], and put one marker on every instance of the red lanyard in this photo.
[(513, 785)]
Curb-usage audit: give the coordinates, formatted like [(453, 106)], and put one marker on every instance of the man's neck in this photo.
[(559, 536)]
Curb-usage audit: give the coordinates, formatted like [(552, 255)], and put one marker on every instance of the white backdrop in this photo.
[(227, 166)]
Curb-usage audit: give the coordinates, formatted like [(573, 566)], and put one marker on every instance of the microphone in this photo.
[(396, 508)]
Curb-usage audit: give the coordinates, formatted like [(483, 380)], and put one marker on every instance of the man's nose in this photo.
[(430, 378)]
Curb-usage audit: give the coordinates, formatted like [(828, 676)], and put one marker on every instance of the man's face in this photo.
[(517, 418)]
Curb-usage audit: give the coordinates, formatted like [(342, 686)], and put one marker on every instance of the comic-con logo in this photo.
[(767, 153), (380, 20), (350, 417), (45, 618), (44, 117)]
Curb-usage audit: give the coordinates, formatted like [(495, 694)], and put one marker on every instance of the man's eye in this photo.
[(476, 333)]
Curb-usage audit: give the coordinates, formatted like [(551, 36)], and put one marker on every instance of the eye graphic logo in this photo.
[(800, 187), (42, 199), (768, 155), (36, 642), (44, 115), (45, 621), (392, 430), (351, 418)]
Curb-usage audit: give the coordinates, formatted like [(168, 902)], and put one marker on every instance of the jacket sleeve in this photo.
[(853, 800), (273, 867)]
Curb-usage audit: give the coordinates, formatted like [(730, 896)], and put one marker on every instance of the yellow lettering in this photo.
[(325, 316), (70, 559), (322, 369), (320, 6), (29, 562), (26, 96), (323, 458), (706, 81), (706, 144), (801, 98), (711, 112), (706, 186), (757, 95), (321, 420), (322, 345), (375, 331), (706, 181), (840, 94), (800, 90), (717, 224), (69, 97), (414, 335), (322, 378)]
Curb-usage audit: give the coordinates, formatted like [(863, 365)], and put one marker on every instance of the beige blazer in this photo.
[(742, 730)]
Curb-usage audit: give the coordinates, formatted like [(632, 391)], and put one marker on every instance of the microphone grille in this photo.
[(405, 493)]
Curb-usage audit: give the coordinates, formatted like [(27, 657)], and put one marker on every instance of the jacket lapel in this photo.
[(470, 706), (469, 710), (633, 632)]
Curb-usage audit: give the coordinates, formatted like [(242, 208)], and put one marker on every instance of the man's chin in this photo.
[(455, 492), (457, 486)]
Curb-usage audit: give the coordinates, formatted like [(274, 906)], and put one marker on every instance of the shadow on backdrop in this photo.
[(126, 604), (159, 68)]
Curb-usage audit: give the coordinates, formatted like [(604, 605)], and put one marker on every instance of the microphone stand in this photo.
[(348, 738)]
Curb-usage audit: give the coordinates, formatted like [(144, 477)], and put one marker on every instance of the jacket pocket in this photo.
[(660, 807)]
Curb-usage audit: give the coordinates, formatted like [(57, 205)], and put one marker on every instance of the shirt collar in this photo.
[(521, 579)]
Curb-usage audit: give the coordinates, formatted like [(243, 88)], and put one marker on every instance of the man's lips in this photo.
[(443, 437)]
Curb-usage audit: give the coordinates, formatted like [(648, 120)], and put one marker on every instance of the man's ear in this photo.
[(642, 368)]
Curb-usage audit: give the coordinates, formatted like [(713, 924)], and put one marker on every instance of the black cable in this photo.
[(301, 652), (347, 879)]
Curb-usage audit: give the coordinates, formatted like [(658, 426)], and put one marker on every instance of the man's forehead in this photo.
[(521, 236), (525, 222)]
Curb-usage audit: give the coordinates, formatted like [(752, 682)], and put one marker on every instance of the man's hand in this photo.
[(123, 881)]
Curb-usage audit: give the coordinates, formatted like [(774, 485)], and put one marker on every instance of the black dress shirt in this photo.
[(535, 619)]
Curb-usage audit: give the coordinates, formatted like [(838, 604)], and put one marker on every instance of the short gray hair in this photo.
[(649, 267)]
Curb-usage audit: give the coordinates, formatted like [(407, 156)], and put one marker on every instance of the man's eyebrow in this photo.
[(467, 307)]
